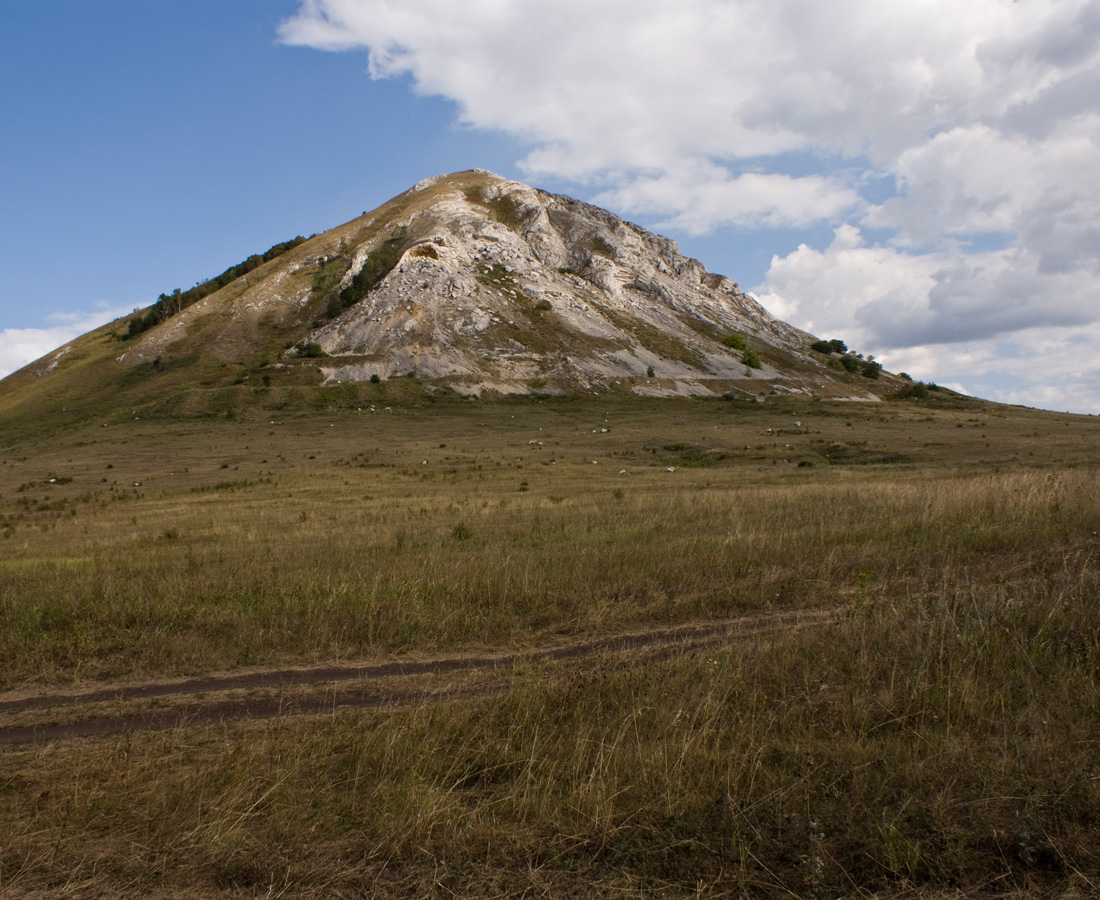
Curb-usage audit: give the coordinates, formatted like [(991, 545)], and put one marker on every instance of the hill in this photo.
[(467, 283)]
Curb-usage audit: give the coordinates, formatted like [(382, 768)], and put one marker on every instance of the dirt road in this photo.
[(132, 706)]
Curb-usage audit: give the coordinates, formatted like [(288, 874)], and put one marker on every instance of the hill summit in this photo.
[(472, 283)]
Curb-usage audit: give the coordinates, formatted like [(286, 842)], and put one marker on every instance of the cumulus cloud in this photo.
[(20, 346), (699, 196), (935, 316), (985, 116)]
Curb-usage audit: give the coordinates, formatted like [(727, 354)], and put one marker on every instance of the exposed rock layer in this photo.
[(489, 284)]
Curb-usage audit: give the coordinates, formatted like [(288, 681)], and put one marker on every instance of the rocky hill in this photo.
[(471, 283)]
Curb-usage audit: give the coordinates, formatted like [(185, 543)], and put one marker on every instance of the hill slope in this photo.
[(470, 282)]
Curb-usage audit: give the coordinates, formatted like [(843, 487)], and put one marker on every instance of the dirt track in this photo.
[(110, 709)]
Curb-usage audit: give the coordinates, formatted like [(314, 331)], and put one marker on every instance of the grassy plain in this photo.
[(936, 736)]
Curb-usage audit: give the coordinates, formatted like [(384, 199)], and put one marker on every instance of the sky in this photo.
[(919, 179)]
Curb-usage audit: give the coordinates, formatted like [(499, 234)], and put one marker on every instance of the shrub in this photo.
[(850, 363), (838, 345), (310, 350), (916, 391), (822, 347), (374, 379), (869, 368), (649, 372), (735, 341), (751, 359)]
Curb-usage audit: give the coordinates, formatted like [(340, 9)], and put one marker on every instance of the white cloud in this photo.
[(20, 346), (764, 113), (1048, 368), (959, 320), (701, 196)]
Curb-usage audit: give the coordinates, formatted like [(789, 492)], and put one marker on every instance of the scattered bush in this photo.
[(378, 264), (167, 305), (735, 341), (751, 359), (869, 368), (918, 390), (374, 379), (850, 363), (822, 347), (310, 350)]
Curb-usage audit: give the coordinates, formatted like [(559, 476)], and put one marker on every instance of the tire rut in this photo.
[(367, 682)]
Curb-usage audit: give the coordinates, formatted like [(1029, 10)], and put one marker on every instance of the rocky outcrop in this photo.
[(477, 283), (505, 286)]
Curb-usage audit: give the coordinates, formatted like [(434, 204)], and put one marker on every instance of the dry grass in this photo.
[(939, 736)]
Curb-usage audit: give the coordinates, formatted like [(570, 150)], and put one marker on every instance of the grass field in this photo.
[(936, 734)]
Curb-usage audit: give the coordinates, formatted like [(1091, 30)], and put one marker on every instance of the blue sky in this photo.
[(149, 144), (921, 181)]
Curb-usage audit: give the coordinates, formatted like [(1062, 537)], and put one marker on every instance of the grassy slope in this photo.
[(939, 735), (219, 349)]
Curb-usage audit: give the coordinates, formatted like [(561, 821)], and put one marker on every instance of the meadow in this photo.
[(929, 730)]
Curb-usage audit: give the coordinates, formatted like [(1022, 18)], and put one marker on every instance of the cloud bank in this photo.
[(982, 121)]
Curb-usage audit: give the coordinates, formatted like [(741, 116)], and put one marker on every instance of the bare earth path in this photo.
[(109, 709)]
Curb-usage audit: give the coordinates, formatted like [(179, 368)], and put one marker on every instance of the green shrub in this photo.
[(374, 379), (310, 350), (735, 341), (838, 345), (822, 347), (916, 391), (850, 363), (869, 368), (751, 359)]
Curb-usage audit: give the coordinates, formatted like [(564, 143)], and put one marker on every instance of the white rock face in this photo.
[(496, 286), (505, 287)]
